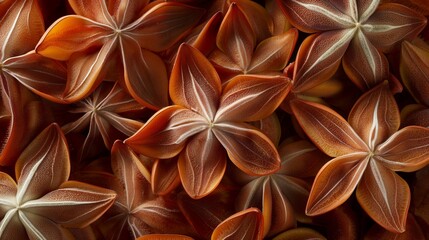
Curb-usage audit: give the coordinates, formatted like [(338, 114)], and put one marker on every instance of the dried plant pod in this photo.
[(414, 69), (245, 224), (47, 202), (208, 122), (353, 31), (372, 150), (100, 30)]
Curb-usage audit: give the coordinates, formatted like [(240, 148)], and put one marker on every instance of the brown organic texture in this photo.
[(354, 32), (102, 114), (160, 119), (42, 204), (208, 119), (165, 176), (22, 117), (128, 30), (4, 6), (246, 224), (137, 211), (368, 149), (21, 26), (258, 17), (239, 52), (280, 22), (281, 196), (415, 69), (202, 37), (418, 5)]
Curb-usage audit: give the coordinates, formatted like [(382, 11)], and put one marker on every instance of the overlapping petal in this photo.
[(39, 227), (274, 53), (96, 10), (392, 23), (366, 8), (22, 25), (166, 133), (115, 99), (60, 205), (163, 25), (165, 176), (8, 190), (203, 37), (295, 191), (161, 215), (273, 196), (224, 65), (249, 149), (72, 34), (194, 83), (365, 65), (384, 196), (246, 224), (280, 22), (202, 164), (258, 194), (133, 189), (85, 71), (407, 150), (43, 166), (414, 68), (251, 97), (124, 12), (104, 113), (259, 19), (319, 57), (11, 227), (375, 115), (236, 37), (145, 74), (335, 182), (124, 125), (283, 215), (132, 43), (43, 76), (131, 173), (22, 119), (327, 129), (312, 15), (270, 126)]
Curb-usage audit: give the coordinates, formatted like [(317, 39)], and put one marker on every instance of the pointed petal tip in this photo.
[(184, 47), (312, 210)]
